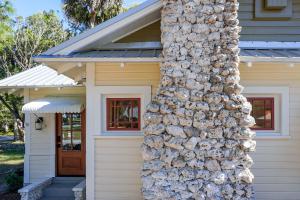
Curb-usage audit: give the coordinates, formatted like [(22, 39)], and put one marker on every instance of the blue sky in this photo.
[(28, 7)]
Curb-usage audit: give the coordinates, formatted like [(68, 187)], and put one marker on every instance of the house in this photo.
[(73, 120)]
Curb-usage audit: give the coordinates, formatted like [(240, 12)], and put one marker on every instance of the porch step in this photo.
[(58, 191), (67, 179), (61, 188), (57, 198)]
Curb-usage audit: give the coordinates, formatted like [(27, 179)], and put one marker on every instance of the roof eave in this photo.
[(157, 59), (104, 28), (269, 59), (94, 59)]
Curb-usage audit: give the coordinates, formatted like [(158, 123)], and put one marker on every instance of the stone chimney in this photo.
[(197, 135)]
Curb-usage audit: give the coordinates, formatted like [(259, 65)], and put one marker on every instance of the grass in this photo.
[(7, 134), (11, 159)]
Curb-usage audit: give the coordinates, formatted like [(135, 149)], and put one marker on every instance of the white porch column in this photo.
[(90, 131), (27, 139)]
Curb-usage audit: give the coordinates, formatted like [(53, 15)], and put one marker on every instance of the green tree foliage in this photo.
[(6, 10), (84, 14), (31, 36)]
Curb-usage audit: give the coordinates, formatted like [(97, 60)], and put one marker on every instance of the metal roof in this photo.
[(246, 55), (125, 53), (40, 76), (288, 53), (55, 105), (124, 23)]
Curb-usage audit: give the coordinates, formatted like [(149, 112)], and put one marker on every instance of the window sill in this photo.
[(272, 137), (111, 136), (120, 134)]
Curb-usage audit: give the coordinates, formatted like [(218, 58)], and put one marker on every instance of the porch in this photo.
[(56, 188)]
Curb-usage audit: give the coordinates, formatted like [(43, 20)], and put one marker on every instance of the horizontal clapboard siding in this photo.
[(277, 161), (43, 92), (39, 167), (41, 149), (117, 169), (132, 74), (252, 29), (271, 30), (42, 144)]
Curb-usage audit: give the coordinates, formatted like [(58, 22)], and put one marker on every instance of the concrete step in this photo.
[(63, 185), (57, 198), (54, 191), (67, 179)]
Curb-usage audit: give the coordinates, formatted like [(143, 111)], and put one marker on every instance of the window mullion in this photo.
[(71, 123), (131, 109)]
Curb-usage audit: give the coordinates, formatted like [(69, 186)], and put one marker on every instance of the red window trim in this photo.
[(108, 103), (251, 99)]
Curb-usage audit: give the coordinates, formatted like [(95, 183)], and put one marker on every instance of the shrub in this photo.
[(14, 180)]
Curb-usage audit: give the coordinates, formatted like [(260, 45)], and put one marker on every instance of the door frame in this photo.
[(83, 143)]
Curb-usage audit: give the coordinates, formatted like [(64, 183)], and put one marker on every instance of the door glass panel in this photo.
[(71, 132), (76, 121), (76, 140), (66, 122), (66, 140)]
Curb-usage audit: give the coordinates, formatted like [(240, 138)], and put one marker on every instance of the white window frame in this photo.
[(101, 93), (281, 109)]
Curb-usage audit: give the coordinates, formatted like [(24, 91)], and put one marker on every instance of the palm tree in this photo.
[(83, 14)]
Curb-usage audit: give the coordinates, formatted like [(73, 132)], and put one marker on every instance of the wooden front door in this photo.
[(70, 144)]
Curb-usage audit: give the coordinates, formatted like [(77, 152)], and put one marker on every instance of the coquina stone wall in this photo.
[(197, 135)]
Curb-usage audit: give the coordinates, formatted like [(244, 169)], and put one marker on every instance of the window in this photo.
[(123, 114), (263, 112), (270, 108), (71, 131)]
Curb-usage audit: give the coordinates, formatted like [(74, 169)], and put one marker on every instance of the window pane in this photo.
[(263, 112), (76, 139), (66, 140), (71, 131), (76, 121), (135, 111), (123, 114), (66, 121)]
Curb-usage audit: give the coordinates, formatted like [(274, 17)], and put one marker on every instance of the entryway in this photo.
[(61, 188), (70, 144)]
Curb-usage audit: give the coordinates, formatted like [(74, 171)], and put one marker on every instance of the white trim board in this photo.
[(269, 45), (90, 128), (103, 92), (27, 139), (283, 101)]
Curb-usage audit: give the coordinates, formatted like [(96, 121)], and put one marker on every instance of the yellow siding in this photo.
[(117, 169), (149, 33), (41, 151), (40, 168), (277, 161), (42, 143), (43, 92), (138, 74)]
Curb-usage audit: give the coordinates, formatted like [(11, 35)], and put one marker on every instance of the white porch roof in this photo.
[(55, 105), (40, 76)]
